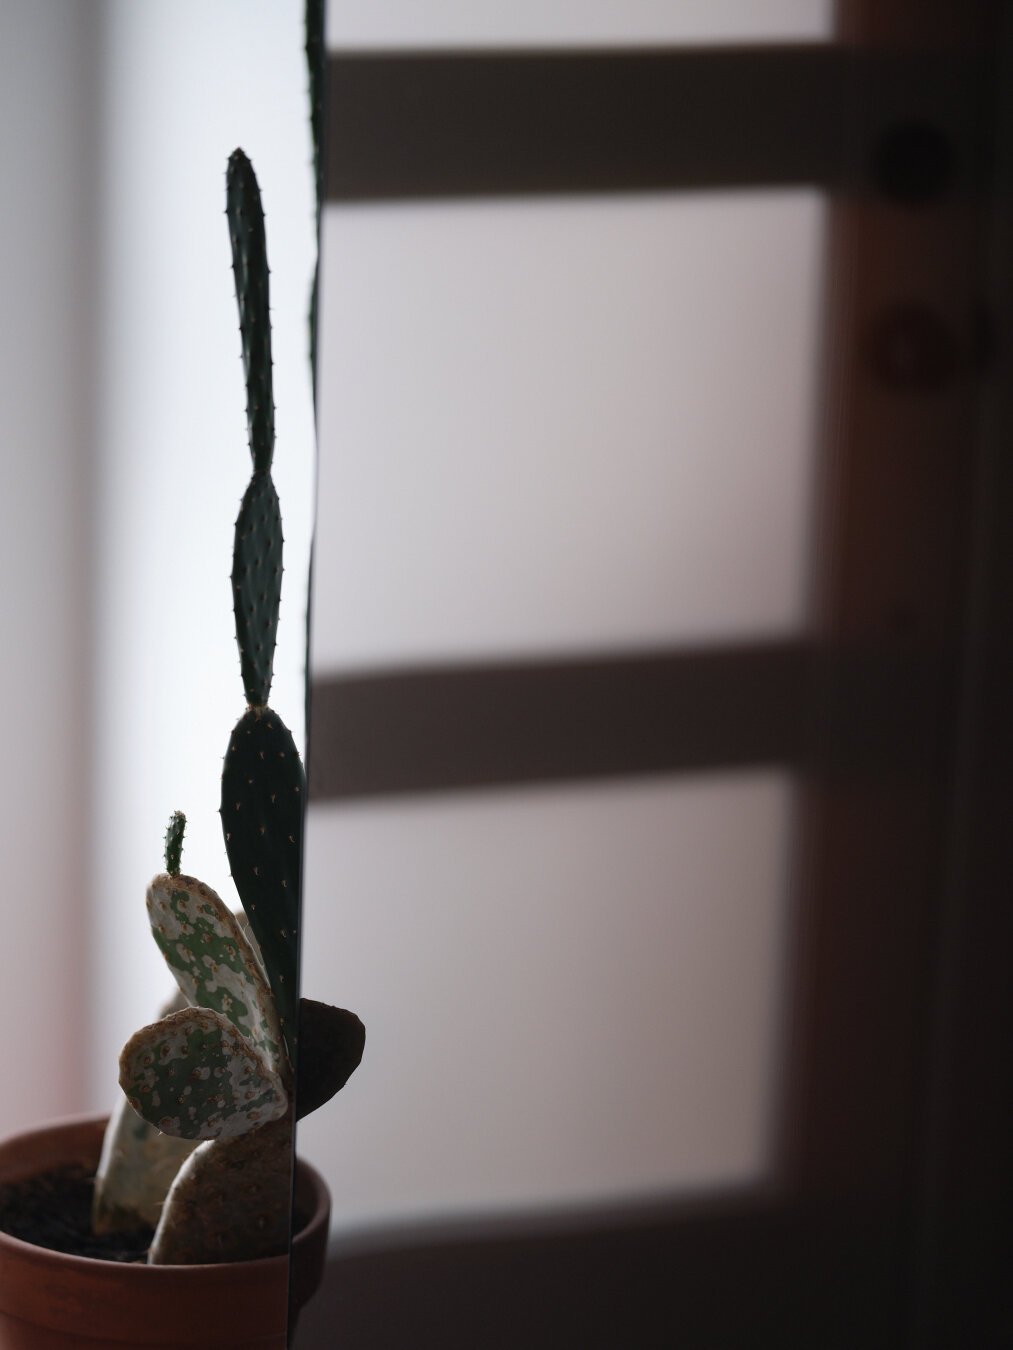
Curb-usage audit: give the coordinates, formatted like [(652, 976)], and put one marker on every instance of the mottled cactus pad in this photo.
[(137, 1165), (195, 1076), (205, 948)]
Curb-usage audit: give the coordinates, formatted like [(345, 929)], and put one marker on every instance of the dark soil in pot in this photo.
[(53, 1210)]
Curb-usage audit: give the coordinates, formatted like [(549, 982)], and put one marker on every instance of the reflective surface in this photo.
[(561, 426), (571, 995)]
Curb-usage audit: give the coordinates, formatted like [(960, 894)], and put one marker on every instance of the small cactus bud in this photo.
[(174, 843)]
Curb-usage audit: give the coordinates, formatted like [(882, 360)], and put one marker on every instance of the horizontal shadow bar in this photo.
[(863, 712), (467, 726), (450, 124)]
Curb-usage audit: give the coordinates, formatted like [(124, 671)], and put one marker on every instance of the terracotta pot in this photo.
[(52, 1301)]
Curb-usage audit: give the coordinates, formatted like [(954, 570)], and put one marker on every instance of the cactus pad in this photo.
[(256, 585), (137, 1166), (331, 1042), (263, 788), (249, 266), (195, 1076), (231, 1201), (205, 948)]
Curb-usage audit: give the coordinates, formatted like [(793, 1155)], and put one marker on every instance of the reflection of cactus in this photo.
[(315, 51), (225, 1066)]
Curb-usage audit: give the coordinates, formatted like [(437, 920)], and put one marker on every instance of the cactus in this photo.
[(219, 1076), (263, 786)]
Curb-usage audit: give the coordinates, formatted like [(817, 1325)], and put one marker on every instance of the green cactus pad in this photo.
[(263, 789), (256, 585), (214, 965), (249, 265), (331, 1042), (193, 1075), (231, 1201)]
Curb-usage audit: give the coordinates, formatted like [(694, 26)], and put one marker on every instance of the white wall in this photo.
[(125, 459), (48, 61), (184, 84)]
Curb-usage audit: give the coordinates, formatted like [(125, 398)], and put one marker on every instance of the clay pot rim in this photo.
[(69, 1300), (318, 1220)]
